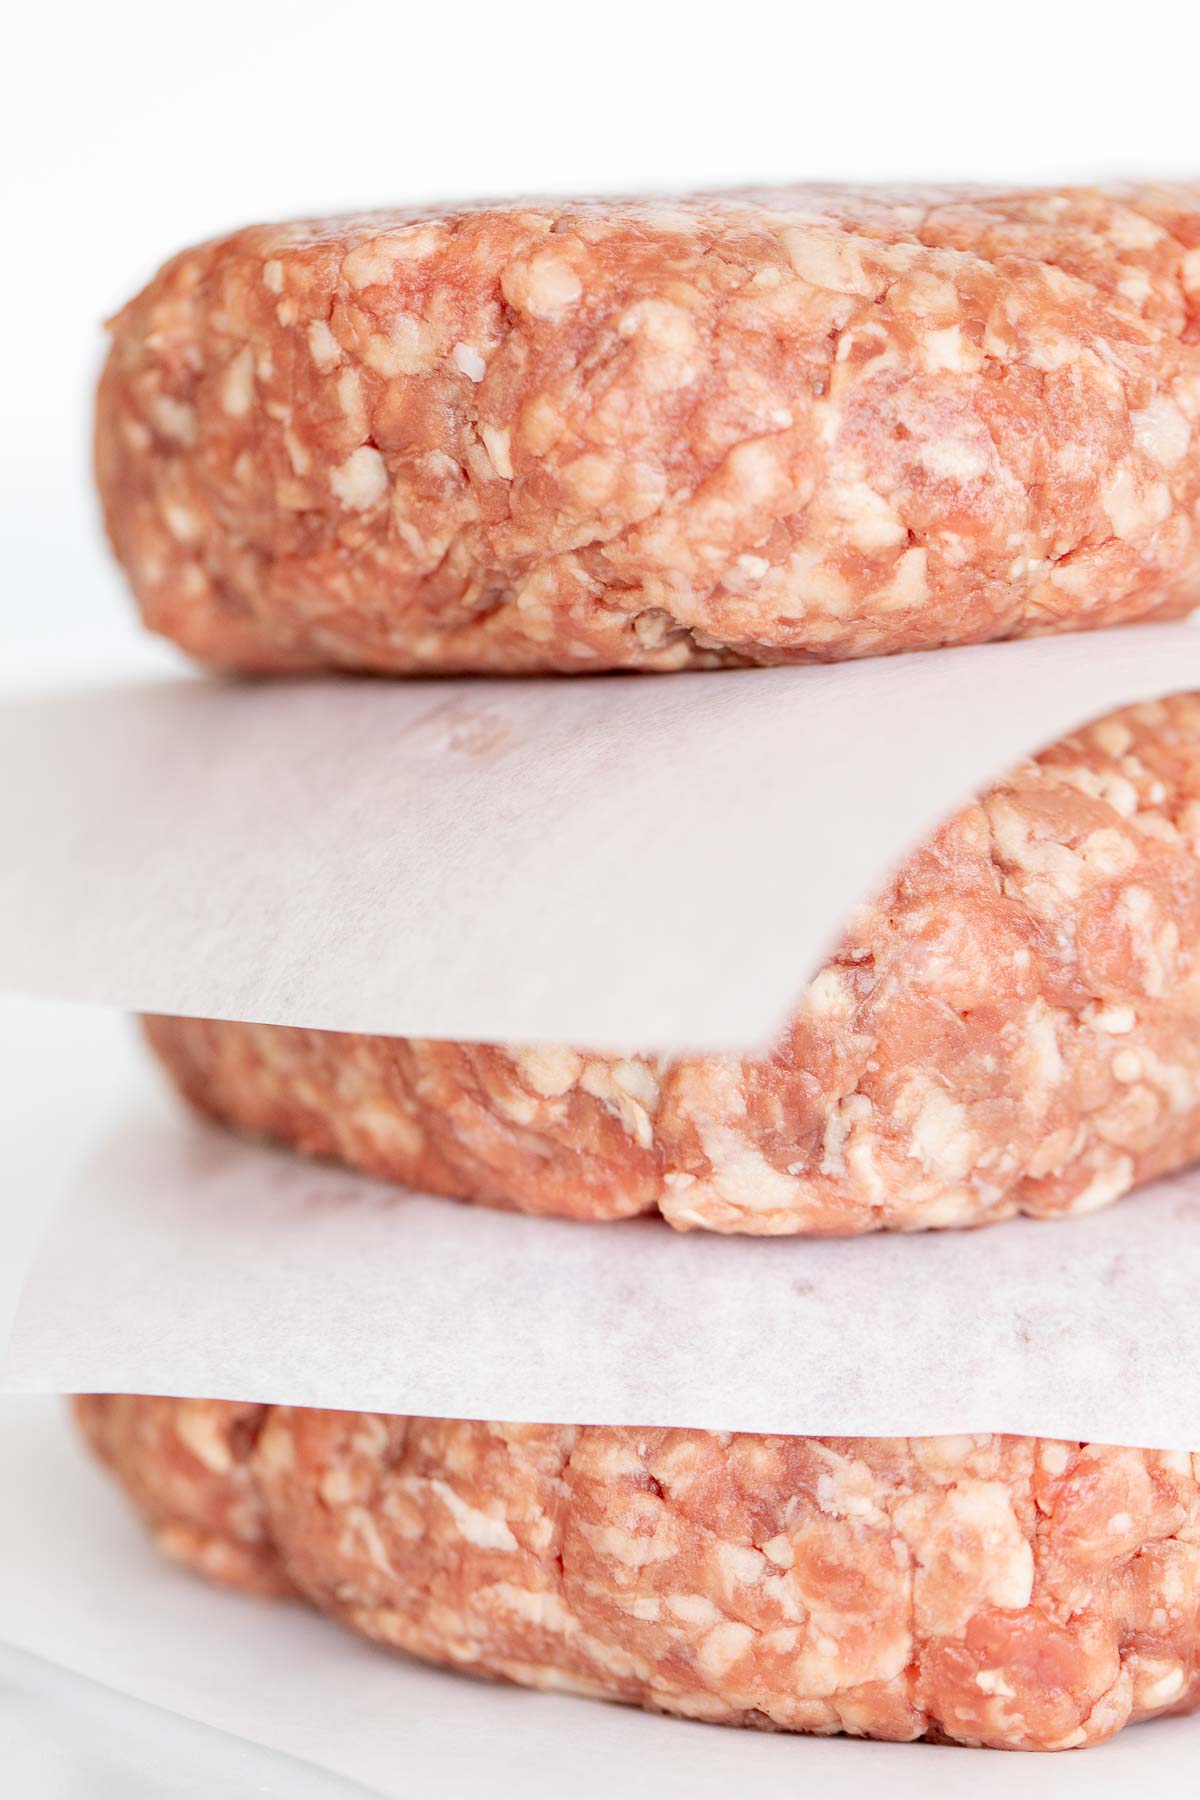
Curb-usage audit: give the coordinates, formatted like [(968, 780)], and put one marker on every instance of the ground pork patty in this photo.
[(1013, 1025), (763, 427), (1018, 1592)]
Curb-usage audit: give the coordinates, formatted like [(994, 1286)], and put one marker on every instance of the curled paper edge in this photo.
[(653, 862)]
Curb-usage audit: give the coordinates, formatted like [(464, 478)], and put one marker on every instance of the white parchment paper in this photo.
[(651, 862), (84, 1590), (182, 1260)]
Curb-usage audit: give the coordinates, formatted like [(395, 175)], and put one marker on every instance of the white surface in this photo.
[(82, 1589), (636, 862), (185, 1261), (72, 1738), (133, 128)]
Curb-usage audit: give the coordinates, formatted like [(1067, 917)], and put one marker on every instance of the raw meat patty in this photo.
[(1013, 1025), (748, 427), (1018, 1592)]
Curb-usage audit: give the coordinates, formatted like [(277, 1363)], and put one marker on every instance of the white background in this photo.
[(130, 129)]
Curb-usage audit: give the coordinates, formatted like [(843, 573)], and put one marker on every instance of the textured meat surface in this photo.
[(1023, 1593), (1012, 1025), (185, 1465), (764, 427)]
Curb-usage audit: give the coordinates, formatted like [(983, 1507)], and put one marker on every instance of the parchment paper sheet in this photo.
[(182, 1260), (82, 1588), (634, 862)]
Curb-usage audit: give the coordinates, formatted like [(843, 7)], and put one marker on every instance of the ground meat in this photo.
[(1024, 1593), (1012, 1025), (185, 1465), (754, 427)]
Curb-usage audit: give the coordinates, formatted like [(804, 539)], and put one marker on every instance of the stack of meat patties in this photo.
[(711, 433)]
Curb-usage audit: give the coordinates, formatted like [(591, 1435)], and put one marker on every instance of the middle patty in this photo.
[(1011, 1025)]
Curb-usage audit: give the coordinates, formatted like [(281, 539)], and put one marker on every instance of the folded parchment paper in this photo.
[(643, 862), (82, 1588), (182, 1260)]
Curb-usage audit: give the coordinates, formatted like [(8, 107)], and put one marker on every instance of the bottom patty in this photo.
[(1024, 1593)]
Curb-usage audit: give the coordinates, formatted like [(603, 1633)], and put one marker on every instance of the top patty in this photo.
[(753, 427)]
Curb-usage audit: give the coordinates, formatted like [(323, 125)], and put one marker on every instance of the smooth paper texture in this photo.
[(653, 862), (183, 1260), (67, 1737), (83, 1589), (65, 1075)]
